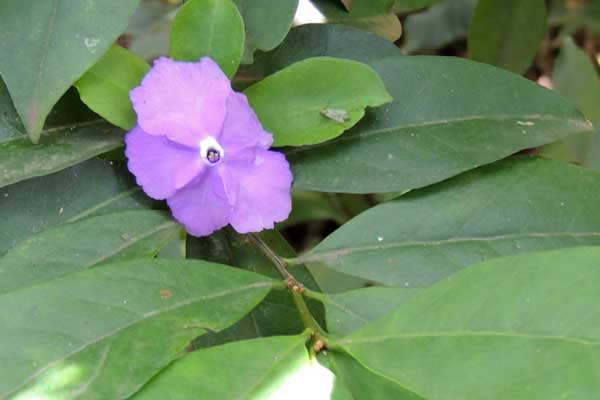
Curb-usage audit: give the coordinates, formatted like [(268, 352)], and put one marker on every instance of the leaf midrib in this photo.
[(459, 334), (330, 255), (141, 318), (133, 241), (583, 124), (45, 48), (48, 131)]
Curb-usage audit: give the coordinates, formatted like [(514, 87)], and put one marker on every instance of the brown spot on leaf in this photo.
[(166, 294)]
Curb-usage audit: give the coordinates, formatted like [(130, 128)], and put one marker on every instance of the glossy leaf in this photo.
[(438, 26), (449, 115), (266, 23), (507, 33), (65, 39), (143, 310), (374, 16), (508, 328), (509, 207), (348, 311), (80, 245), (252, 369), (211, 28), (293, 103), (94, 187), (105, 87)]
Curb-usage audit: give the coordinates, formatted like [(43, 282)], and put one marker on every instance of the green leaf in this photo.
[(58, 148), (348, 311), (516, 327), (277, 314), (76, 337), (252, 369), (212, 28), (513, 206), (372, 16), (321, 40), (332, 281), (10, 123), (362, 383), (575, 77), (293, 103), (507, 33), (71, 136), (63, 41), (438, 26), (449, 115), (433, 89), (91, 188), (79, 245), (404, 6), (149, 28), (105, 87), (266, 22)]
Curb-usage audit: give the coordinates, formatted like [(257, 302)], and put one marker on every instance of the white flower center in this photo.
[(211, 151)]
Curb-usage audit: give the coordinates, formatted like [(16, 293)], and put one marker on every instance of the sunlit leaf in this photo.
[(266, 368), (104, 332), (211, 28), (293, 103), (105, 87)]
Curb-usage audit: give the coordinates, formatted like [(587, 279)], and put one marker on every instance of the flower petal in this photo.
[(202, 205), (182, 100), (264, 191), (160, 165), (242, 128)]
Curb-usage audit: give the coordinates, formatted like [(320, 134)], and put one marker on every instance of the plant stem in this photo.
[(307, 318), (297, 289), (277, 261)]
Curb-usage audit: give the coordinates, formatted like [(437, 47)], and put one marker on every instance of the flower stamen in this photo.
[(213, 156), (211, 151)]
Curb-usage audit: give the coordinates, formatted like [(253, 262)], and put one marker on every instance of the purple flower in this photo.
[(199, 145)]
